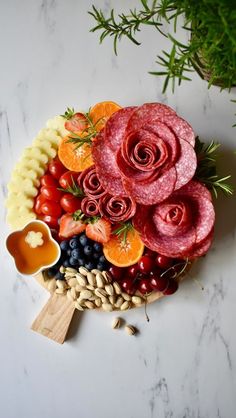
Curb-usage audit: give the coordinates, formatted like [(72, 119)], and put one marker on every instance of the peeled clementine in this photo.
[(75, 159), (101, 112), (124, 253)]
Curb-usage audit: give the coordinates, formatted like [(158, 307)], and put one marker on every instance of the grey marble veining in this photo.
[(183, 362)]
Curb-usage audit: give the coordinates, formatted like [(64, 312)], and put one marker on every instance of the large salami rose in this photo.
[(181, 226), (146, 153)]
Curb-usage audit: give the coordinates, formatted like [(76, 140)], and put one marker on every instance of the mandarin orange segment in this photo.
[(124, 254), (101, 112), (74, 159)]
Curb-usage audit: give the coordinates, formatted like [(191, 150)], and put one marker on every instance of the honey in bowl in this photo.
[(33, 248)]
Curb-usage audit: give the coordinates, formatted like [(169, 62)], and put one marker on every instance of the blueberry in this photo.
[(52, 271), (73, 261), (76, 253), (59, 276), (101, 266), (96, 256), (66, 263), (68, 252), (83, 240), (89, 265), (74, 243), (97, 247), (81, 262), (64, 245), (88, 250), (102, 259)]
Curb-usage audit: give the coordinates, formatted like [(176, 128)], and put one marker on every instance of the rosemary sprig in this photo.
[(122, 231), (75, 190), (127, 25), (211, 45), (87, 134), (206, 168)]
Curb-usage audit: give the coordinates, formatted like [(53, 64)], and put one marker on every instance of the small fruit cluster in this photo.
[(52, 201), (153, 272), (79, 251)]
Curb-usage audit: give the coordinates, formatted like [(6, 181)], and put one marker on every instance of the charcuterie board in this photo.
[(110, 213)]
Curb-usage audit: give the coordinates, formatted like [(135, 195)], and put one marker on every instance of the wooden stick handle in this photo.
[(55, 318)]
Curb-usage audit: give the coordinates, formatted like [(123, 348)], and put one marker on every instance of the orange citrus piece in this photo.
[(124, 254), (102, 111), (74, 159)]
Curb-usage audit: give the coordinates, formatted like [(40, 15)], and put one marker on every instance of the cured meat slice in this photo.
[(196, 189), (203, 247), (142, 216), (112, 185), (154, 192), (104, 158), (90, 183), (90, 206), (106, 167), (169, 246), (116, 208), (186, 164), (116, 126), (181, 226), (147, 113), (181, 128), (164, 132)]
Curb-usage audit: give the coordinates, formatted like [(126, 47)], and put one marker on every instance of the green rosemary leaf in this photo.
[(122, 230)]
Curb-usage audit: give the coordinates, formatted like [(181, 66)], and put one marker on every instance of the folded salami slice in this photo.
[(117, 208), (89, 206), (116, 126), (90, 183), (106, 167)]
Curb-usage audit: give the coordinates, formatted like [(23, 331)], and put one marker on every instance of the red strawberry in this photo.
[(76, 123), (99, 231), (70, 227)]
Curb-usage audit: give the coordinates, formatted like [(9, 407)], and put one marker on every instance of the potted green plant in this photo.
[(211, 46)]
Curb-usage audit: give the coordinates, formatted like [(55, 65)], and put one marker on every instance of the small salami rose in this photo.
[(90, 183), (181, 226), (116, 208), (89, 206)]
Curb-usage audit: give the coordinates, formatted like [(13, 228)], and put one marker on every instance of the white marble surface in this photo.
[(183, 363)]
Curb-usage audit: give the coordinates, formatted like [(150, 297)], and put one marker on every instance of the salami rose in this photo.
[(148, 151), (181, 226), (89, 206), (116, 208), (88, 180)]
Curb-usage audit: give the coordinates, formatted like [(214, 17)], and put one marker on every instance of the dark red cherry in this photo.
[(146, 264), (117, 272), (144, 286), (132, 271), (128, 286), (171, 288), (159, 283), (164, 262)]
